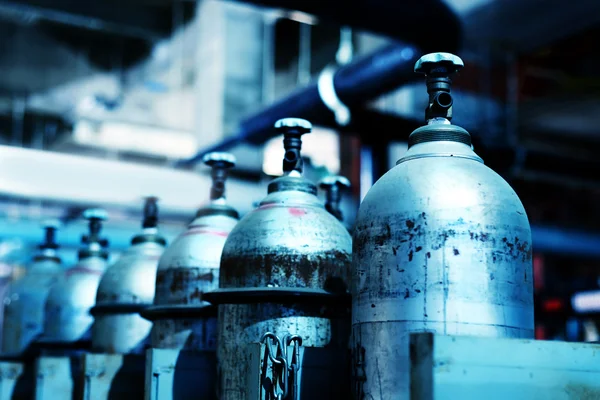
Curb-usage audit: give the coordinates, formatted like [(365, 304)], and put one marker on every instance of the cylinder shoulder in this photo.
[(443, 184)]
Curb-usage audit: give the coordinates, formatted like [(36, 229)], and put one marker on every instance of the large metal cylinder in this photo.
[(126, 288), (26, 297), (289, 246), (442, 244), (67, 310), (189, 267)]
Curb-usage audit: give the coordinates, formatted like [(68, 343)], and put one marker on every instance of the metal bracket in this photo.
[(9, 374), (275, 295), (326, 88), (259, 368), (54, 377), (173, 374), (154, 313)]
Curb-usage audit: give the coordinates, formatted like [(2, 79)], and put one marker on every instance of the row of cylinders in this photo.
[(441, 244)]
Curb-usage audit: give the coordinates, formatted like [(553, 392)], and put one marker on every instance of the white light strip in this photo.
[(66, 178), (586, 302)]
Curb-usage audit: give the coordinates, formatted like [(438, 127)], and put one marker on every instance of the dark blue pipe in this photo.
[(568, 242), (355, 84)]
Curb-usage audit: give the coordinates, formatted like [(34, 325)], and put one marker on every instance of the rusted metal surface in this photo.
[(188, 268), (130, 281), (442, 244), (447, 368), (185, 333), (290, 240)]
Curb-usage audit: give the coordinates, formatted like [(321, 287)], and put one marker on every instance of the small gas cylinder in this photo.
[(279, 266), (334, 185), (189, 267), (24, 303), (126, 288), (67, 311)]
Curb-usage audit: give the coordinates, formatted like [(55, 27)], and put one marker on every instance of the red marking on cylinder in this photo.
[(82, 270), (205, 232), (296, 212)]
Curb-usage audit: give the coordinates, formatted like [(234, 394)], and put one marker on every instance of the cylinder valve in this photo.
[(334, 186)]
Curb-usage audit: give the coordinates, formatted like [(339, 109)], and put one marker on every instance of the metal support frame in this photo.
[(173, 374), (320, 376), (54, 377), (9, 374), (108, 376), (455, 367)]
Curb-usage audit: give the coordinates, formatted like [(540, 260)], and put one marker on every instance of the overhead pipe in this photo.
[(353, 84), (356, 83), (554, 240)]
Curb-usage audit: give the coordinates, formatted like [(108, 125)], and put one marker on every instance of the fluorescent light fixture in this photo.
[(586, 302), (302, 17), (321, 146), (73, 179), (122, 136)]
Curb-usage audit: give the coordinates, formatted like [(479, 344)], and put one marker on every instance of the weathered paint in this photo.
[(186, 333), (460, 367), (442, 244), (275, 246), (188, 268)]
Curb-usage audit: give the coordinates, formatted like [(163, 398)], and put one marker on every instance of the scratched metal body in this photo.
[(130, 281), (24, 305), (442, 244), (188, 268), (67, 310), (290, 240)]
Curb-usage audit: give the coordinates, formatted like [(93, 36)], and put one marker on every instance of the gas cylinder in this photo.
[(189, 267), (442, 244), (24, 303), (67, 311), (126, 288), (334, 185), (278, 266)]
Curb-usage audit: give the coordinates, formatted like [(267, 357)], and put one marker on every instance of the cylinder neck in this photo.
[(219, 176), (292, 160), (150, 219), (93, 243)]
